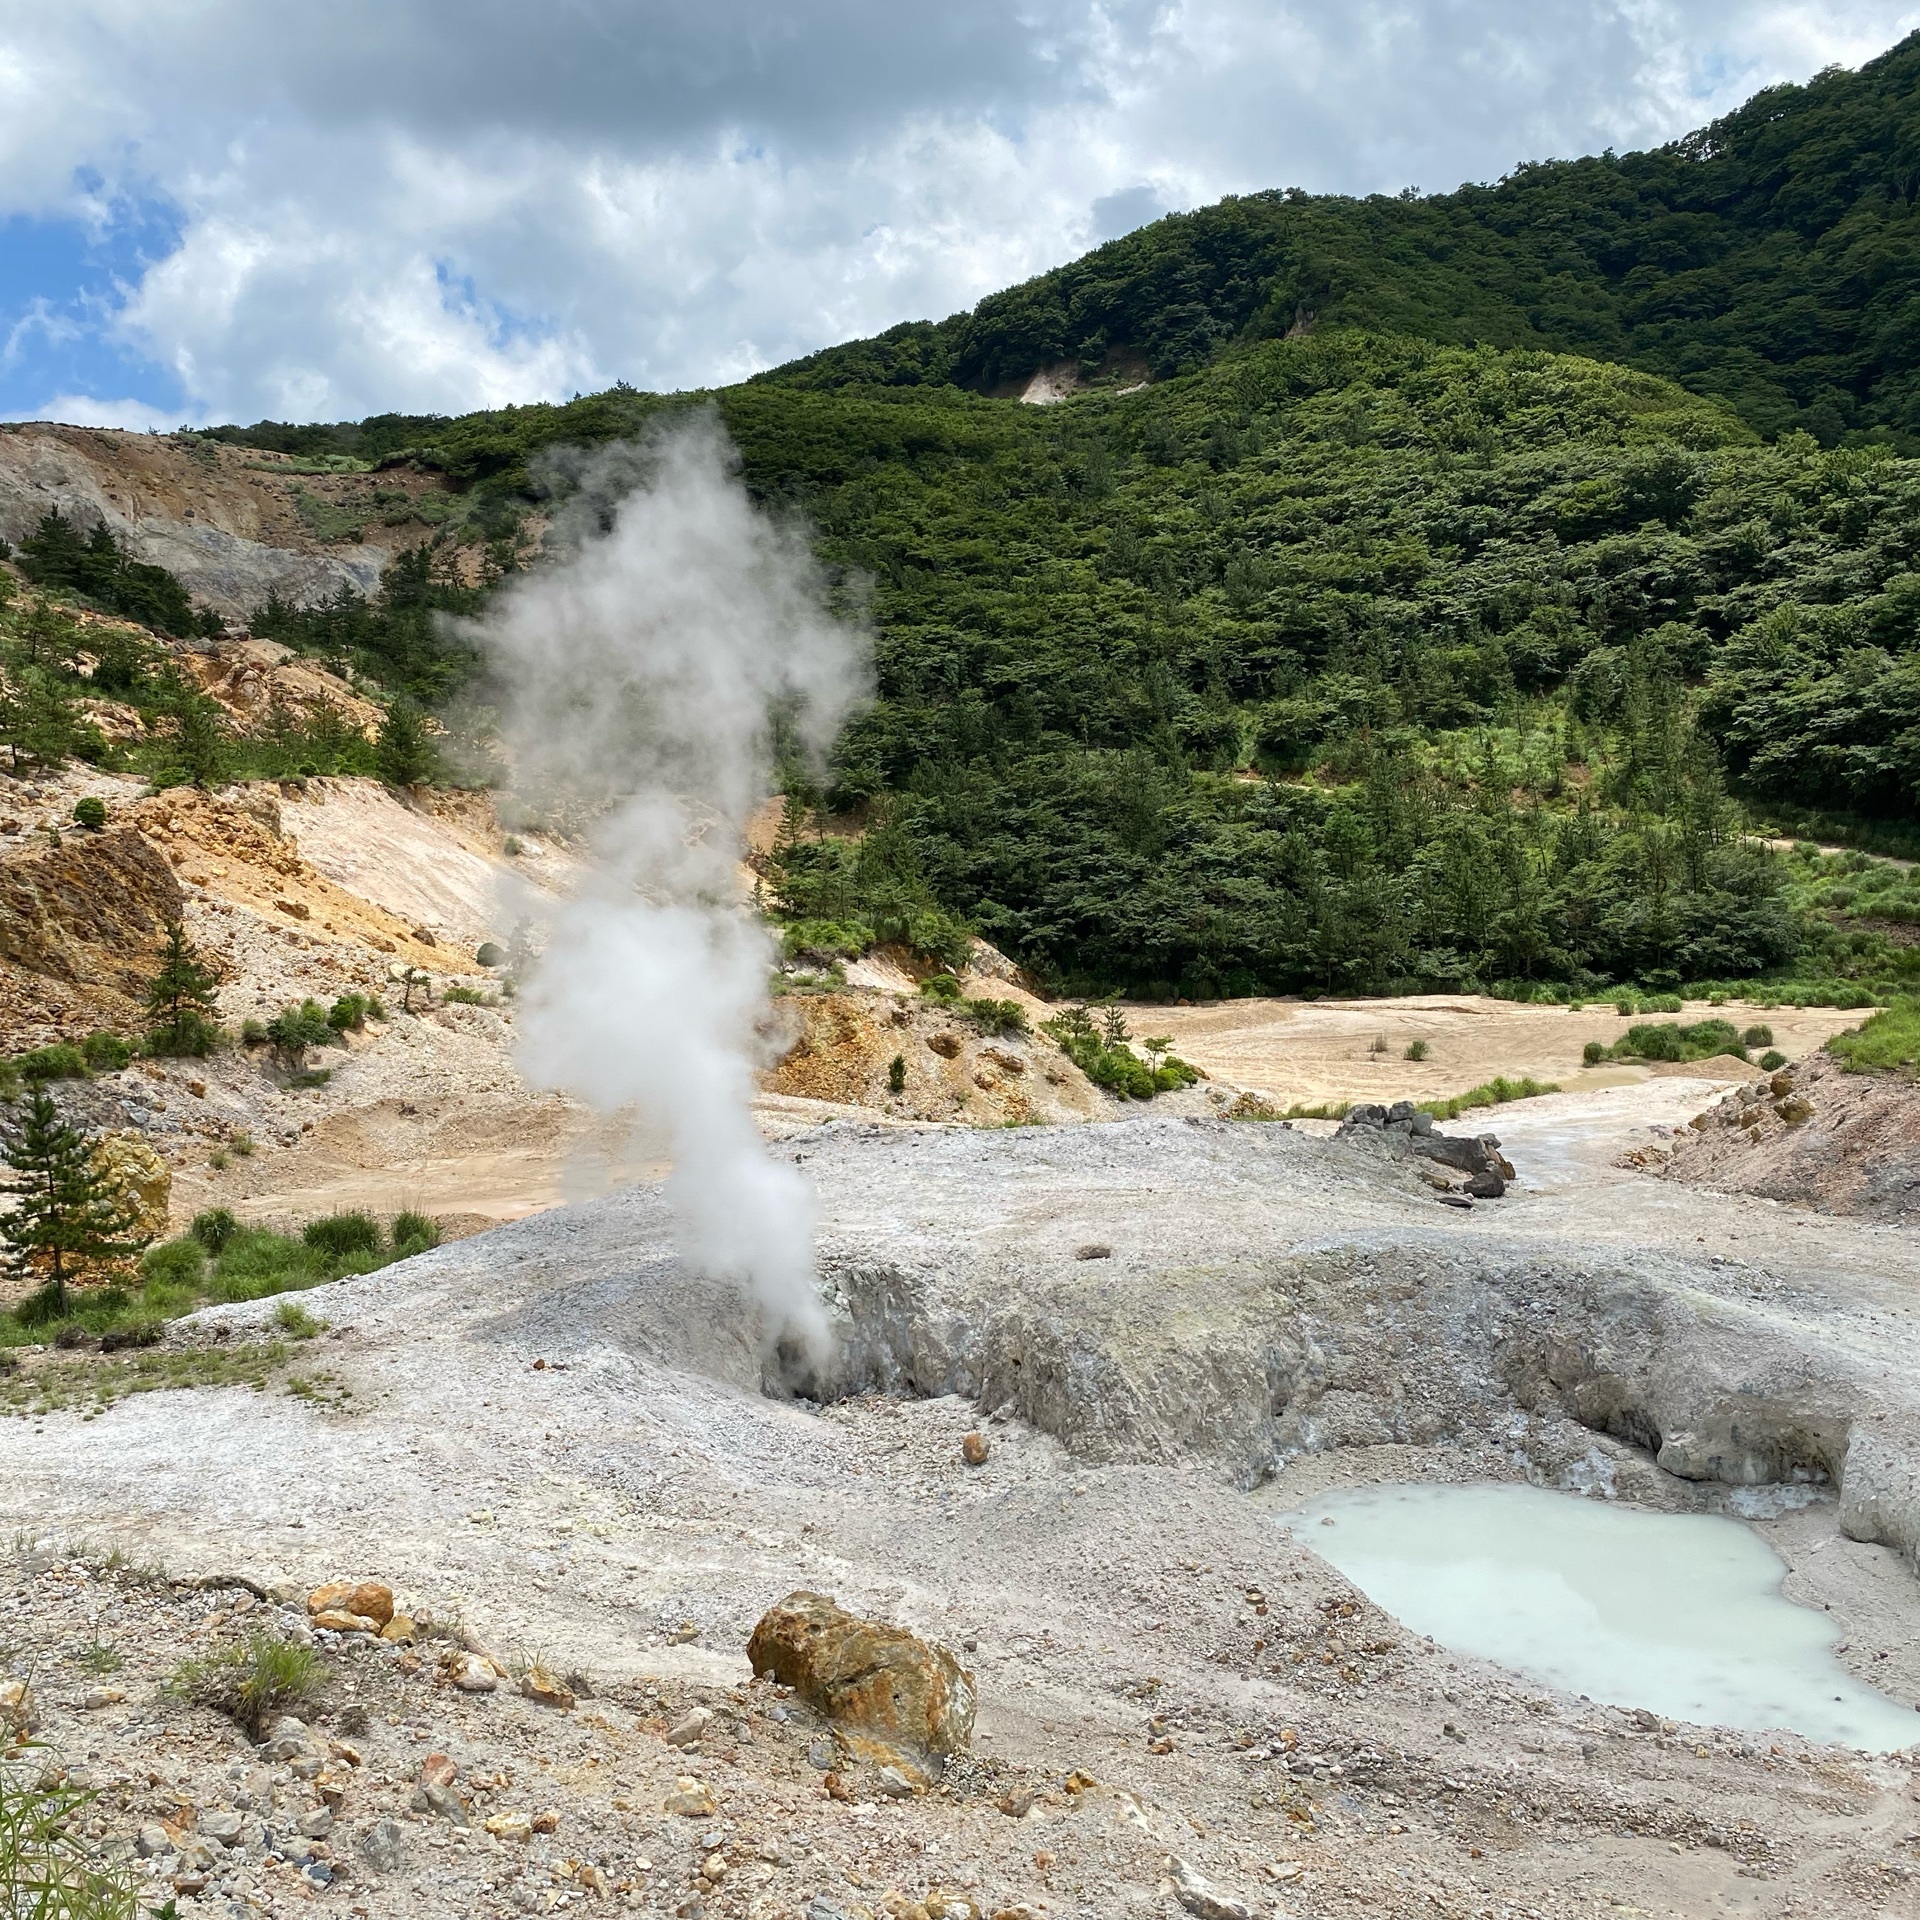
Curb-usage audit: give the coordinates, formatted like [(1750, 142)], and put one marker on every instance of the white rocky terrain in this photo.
[(571, 1452)]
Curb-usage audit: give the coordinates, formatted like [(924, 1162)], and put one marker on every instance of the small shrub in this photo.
[(942, 989), (214, 1229), (1416, 1050), (294, 1029), (177, 1263), (1593, 1053), (340, 1235), (295, 1321), (999, 1017), (414, 1233), (1757, 1035), (348, 1013), (376, 1007), (253, 1033), (512, 845), (1773, 1060), (241, 1142), (189, 1035), (106, 1052), (251, 1683), (57, 1062), (218, 1160), (90, 811), (466, 997), (897, 1074)]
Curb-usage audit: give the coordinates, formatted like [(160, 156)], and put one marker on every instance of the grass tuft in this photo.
[(1888, 1043), (48, 1870), (253, 1680)]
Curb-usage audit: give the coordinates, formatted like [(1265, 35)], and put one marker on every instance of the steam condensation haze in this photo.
[(638, 675)]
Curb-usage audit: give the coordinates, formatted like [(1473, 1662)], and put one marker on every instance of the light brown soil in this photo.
[(1311, 1052)]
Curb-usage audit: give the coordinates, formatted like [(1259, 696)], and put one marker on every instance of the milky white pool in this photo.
[(1678, 1613)]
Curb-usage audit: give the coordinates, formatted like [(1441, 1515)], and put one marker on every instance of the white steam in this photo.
[(639, 676)]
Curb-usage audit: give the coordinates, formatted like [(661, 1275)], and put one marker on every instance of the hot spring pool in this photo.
[(1678, 1613)]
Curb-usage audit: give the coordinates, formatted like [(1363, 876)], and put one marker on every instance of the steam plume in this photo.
[(639, 675)]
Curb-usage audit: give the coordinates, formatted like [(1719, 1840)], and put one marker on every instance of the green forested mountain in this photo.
[(1769, 258), (1359, 656)]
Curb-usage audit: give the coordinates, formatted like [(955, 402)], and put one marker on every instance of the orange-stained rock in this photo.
[(373, 1599), (892, 1695), (330, 1598)]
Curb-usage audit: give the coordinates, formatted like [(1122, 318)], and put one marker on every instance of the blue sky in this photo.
[(229, 209)]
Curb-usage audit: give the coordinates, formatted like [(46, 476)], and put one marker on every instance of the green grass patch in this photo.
[(1888, 1043), (1669, 1040), (1491, 1093), (251, 1681), (218, 1262), (92, 1382)]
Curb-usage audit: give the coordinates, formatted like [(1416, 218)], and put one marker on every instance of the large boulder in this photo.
[(140, 1179), (894, 1697)]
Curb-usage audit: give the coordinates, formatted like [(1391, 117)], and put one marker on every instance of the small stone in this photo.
[(546, 1689), (329, 1598), (1079, 1780), (318, 1872), (894, 1784), (98, 1697), (946, 1045), (316, 1823), (381, 1845), (448, 1804), (691, 1797), (974, 1450), (821, 1908), (686, 1731), (336, 1620), (402, 1630), (683, 1633), (822, 1753), (223, 1828), (152, 1841), (1016, 1803), (1200, 1897), (472, 1673), (546, 1821), (514, 1827), (436, 1770), (373, 1600), (16, 1706)]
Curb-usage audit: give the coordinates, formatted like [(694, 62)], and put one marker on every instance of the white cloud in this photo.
[(438, 204)]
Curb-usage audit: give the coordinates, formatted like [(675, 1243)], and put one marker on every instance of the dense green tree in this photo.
[(180, 999), (66, 1217)]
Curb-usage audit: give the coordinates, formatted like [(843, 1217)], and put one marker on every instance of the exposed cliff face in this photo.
[(231, 524), (81, 926)]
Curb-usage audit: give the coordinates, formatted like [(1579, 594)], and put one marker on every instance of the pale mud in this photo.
[(1274, 1314)]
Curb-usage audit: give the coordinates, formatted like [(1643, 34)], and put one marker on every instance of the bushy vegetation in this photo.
[(1887, 1043), (1104, 1053), (1669, 1040), (216, 1262), (251, 1681), (1496, 1092), (93, 567)]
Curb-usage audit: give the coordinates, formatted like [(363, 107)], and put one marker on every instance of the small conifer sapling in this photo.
[(67, 1216)]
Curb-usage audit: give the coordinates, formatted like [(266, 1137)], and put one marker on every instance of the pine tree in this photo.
[(180, 999), (404, 752), (66, 1215)]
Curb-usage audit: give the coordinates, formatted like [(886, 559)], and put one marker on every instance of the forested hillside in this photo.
[(1769, 258), (1353, 658)]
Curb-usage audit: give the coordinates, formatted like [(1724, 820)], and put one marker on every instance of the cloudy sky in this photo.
[(229, 209)]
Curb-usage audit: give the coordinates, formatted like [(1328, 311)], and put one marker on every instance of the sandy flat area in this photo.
[(1301, 1052)]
